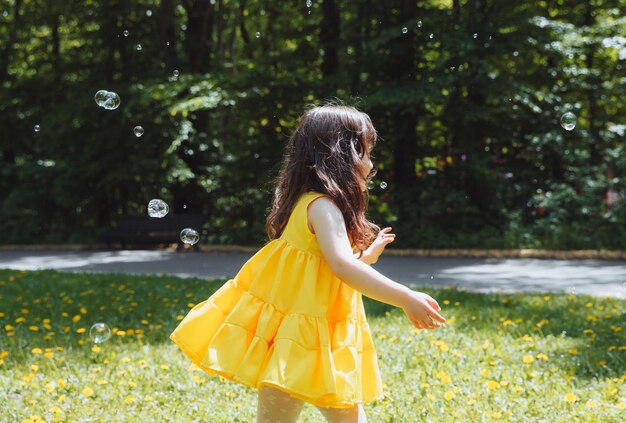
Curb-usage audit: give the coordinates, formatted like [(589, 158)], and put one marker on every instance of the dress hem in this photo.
[(212, 371)]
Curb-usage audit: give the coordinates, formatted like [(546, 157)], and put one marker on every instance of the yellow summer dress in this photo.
[(287, 321)]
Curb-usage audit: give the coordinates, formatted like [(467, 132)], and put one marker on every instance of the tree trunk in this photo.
[(329, 40), (168, 33), (199, 41)]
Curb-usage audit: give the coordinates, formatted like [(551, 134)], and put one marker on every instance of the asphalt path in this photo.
[(592, 277)]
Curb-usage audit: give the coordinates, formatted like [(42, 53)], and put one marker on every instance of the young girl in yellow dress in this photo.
[(291, 323)]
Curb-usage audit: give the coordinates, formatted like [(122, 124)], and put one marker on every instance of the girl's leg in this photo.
[(276, 406), (355, 414)]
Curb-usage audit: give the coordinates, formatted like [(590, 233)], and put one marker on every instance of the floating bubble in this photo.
[(189, 236), (175, 73), (370, 184), (99, 333), (568, 121), (419, 24), (101, 97), (157, 208), (383, 185), (463, 157), (126, 33), (309, 3), (112, 101), (475, 35), (431, 36), (257, 34), (36, 128), (148, 13), (139, 47), (405, 30), (138, 130)]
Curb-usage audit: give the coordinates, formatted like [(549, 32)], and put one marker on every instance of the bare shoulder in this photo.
[(323, 212)]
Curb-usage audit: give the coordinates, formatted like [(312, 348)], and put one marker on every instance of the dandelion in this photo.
[(542, 356), (36, 351), (87, 392), (571, 398), (492, 385), (129, 399), (75, 319), (96, 349), (528, 359), (448, 395), (590, 404), (55, 409)]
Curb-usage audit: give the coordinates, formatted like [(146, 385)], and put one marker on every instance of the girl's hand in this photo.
[(422, 310), (383, 238)]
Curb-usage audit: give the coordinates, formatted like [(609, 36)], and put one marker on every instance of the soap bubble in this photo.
[(100, 97), (475, 35), (99, 333), (189, 236), (405, 30), (419, 24), (36, 128), (568, 121), (309, 3), (126, 33), (383, 185), (257, 34), (112, 101), (175, 73), (370, 184), (431, 36), (138, 130), (139, 47), (148, 13), (157, 208)]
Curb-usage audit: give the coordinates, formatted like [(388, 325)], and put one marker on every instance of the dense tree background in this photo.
[(466, 97)]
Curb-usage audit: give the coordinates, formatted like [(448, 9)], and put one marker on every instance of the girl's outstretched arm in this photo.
[(330, 230)]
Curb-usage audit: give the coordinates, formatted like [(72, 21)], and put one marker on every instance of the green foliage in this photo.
[(533, 351), (466, 102)]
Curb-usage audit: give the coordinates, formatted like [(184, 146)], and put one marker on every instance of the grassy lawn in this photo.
[(517, 358)]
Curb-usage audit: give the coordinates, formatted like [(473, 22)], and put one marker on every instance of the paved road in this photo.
[(594, 277)]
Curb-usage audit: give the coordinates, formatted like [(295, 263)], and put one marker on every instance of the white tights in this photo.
[(276, 406)]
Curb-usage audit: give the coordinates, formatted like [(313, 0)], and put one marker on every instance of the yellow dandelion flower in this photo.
[(129, 399), (132, 384), (496, 415), (96, 349), (33, 328), (83, 310), (602, 362), (179, 317), (36, 351), (34, 367), (49, 355), (589, 305), (590, 404), (484, 372), (448, 395), (55, 409), (80, 330), (542, 356), (528, 359), (486, 344), (443, 377), (87, 392), (165, 367), (547, 298), (125, 360), (20, 320), (571, 398), (473, 318), (573, 351), (76, 318), (621, 405), (61, 398), (492, 385), (148, 398), (430, 396), (424, 385), (517, 389), (9, 327), (102, 382), (120, 333)]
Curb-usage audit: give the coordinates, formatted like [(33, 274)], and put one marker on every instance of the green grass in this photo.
[(514, 358)]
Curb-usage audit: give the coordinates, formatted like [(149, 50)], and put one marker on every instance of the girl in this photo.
[(292, 323)]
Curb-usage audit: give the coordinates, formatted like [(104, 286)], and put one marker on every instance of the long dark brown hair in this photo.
[(325, 155)]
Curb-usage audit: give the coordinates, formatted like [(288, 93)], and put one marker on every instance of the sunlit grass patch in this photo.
[(521, 357)]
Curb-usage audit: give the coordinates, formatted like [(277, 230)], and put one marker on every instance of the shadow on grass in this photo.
[(153, 304)]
